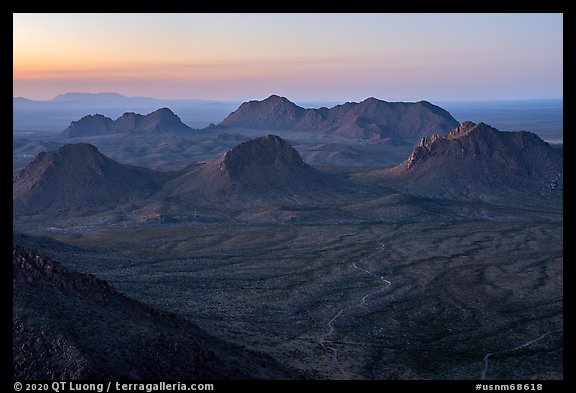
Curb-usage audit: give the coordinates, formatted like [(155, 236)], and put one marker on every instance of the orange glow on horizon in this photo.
[(319, 68), (434, 55)]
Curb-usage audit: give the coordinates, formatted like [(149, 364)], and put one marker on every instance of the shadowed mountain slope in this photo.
[(476, 161), (69, 325), (78, 175), (264, 168)]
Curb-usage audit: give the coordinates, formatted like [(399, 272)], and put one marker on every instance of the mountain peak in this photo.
[(78, 148), (78, 175), (164, 111), (276, 101), (275, 112), (264, 151), (79, 155), (468, 127), (277, 98), (372, 100), (170, 119), (162, 120), (476, 159), (264, 168)]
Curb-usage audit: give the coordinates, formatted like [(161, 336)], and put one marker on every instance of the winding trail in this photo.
[(526, 344), (334, 358), (334, 362)]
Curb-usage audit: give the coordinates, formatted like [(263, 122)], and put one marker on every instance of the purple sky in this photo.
[(332, 57)]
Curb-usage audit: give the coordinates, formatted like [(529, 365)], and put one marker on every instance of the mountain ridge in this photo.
[(80, 96), (162, 120), (371, 119), (476, 161)]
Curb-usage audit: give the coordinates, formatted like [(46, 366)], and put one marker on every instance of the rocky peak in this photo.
[(463, 129), (476, 134), (160, 121), (371, 101), (276, 99), (510, 157), (264, 151), (76, 155), (78, 175)]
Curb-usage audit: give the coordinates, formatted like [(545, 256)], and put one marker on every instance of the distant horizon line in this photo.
[(120, 95)]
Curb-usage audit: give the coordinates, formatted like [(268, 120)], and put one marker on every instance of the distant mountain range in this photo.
[(55, 114), (160, 121), (108, 98), (542, 116), (371, 119), (69, 325)]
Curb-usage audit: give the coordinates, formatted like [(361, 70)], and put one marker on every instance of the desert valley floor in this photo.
[(385, 301)]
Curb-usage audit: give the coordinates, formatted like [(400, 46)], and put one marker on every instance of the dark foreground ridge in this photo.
[(69, 325)]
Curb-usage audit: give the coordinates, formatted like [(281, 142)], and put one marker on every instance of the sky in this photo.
[(304, 57)]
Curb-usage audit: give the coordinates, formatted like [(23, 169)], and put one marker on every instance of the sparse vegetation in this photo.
[(336, 272), (458, 290)]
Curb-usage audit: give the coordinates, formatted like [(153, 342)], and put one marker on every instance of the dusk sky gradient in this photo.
[(331, 57)]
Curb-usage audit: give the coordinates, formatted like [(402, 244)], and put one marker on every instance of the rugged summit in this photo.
[(78, 175), (69, 325), (90, 125), (371, 119), (260, 168), (266, 157), (274, 113), (160, 121), (476, 159)]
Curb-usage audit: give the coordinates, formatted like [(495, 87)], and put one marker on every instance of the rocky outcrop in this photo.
[(477, 160)]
